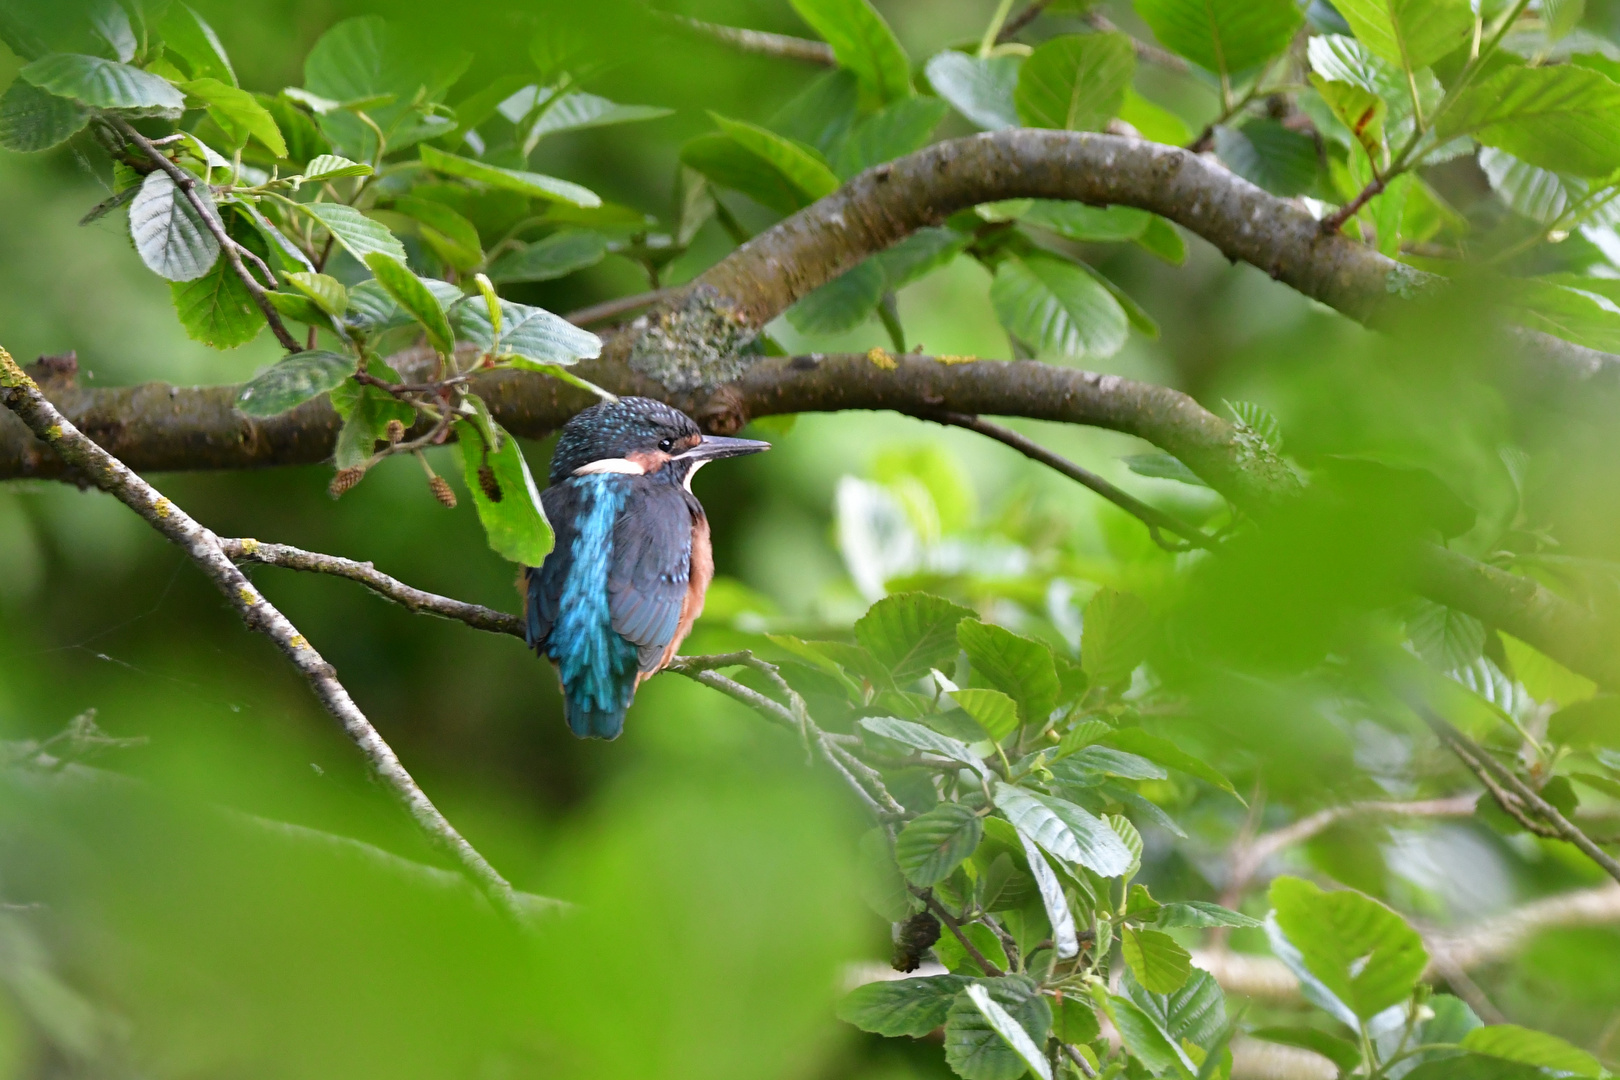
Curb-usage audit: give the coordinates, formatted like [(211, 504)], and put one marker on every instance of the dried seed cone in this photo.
[(394, 431), (487, 481), (442, 492), (344, 480), (917, 935)]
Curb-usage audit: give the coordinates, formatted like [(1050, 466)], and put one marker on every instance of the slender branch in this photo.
[(1079, 1060), (1012, 26), (474, 615), (1335, 221), (1152, 516), (229, 248), (609, 309), (20, 395), (1472, 754), (761, 42), (985, 964), (1248, 858), (1144, 51)]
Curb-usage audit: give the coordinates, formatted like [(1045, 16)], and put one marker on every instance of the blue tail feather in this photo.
[(597, 666)]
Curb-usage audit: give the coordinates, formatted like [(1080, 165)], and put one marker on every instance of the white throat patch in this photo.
[(611, 465), (696, 465)]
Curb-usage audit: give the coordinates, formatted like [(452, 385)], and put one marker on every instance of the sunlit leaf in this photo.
[(238, 112), (217, 309), (1224, 36), (1363, 953), (293, 381), (533, 184), (1019, 666), (1562, 118), (933, 844), (1411, 33), (911, 633), (103, 84), (359, 235), (514, 524), (1160, 965), (1057, 308), (980, 88), (415, 297), (1076, 82), (863, 43)]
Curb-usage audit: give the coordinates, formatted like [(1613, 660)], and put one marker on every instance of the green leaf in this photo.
[(535, 185), (1411, 33), (1088, 224), (558, 255), (366, 411), (881, 884), (1195, 1013), (1074, 1021), (894, 131), (1065, 941), (238, 112), (32, 119), (1445, 637), (911, 633), (1593, 722), (1584, 317), (297, 307), (915, 735), (1475, 1067), (935, 843), (1076, 82), (1154, 121), (331, 167), (293, 381), (843, 303), (981, 88), (1363, 953), (1020, 666), (1223, 36), (1562, 118), (802, 166), (956, 958), (1269, 156), (913, 1007), (1116, 631), (188, 35), (1162, 240), (1057, 308), (1010, 1030), (1162, 467), (724, 163), (1515, 1043), (415, 297), (452, 237), (919, 254), (577, 111), (1069, 832), (1342, 1052), (526, 331), (1168, 754), (1101, 759), (515, 524), (863, 43), (103, 84), (217, 309), (976, 1048), (992, 710), (1144, 1038), (170, 235), (358, 234), (1160, 965), (327, 292), (364, 64)]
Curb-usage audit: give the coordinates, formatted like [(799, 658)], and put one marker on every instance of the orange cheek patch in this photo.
[(649, 460)]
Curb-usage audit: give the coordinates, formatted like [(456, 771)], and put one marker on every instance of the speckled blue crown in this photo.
[(615, 428)]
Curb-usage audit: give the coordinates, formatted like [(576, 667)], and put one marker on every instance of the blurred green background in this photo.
[(716, 869)]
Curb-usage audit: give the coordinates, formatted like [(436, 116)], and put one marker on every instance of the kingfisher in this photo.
[(619, 592)]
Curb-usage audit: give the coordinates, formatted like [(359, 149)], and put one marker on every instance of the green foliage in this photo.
[(514, 522), (1363, 953), (863, 43), (980, 88), (911, 633), (238, 112), (1160, 965), (217, 309), (1224, 36), (518, 180), (172, 238), (1057, 308), (292, 382), (1018, 666), (980, 1043), (103, 84), (33, 119), (1514, 1043), (934, 844), (1411, 33), (912, 1007), (1075, 82), (1566, 119), (557, 255)]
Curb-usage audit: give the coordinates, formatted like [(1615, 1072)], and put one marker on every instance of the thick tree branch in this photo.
[(23, 398)]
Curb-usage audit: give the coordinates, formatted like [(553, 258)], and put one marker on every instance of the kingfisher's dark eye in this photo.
[(665, 444)]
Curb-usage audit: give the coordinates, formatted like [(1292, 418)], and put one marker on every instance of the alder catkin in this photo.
[(442, 492), (344, 480), (394, 431), (487, 481)]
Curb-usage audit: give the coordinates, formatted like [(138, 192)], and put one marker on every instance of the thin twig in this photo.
[(944, 916), (1144, 51), (1249, 857), (608, 309), (474, 615), (1335, 221), (1010, 28), (762, 42), (20, 394), (228, 247), (1153, 517), (1467, 749), (1075, 1056)]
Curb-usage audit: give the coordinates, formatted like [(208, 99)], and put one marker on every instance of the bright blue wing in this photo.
[(651, 567)]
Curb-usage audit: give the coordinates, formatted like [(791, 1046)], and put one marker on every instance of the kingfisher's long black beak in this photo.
[(716, 446)]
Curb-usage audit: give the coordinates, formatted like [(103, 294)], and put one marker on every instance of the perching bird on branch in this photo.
[(621, 589)]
